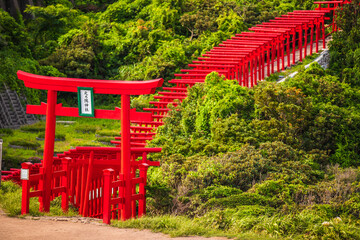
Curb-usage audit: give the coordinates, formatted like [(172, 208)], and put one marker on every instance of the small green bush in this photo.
[(10, 201), (25, 143), (6, 131), (104, 139), (37, 127), (86, 128), (239, 200), (10, 161), (58, 136), (108, 133)]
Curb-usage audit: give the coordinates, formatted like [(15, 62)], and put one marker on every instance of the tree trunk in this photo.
[(3, 5), (40, 3), (15, 8), (31, 2)]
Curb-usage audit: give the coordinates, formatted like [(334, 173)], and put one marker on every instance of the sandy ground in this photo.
[(50, 229)]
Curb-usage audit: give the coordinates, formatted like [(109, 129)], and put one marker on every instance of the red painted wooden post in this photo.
[(83, 185), (256, 67), (72, 180), (263, 63), (88, 183), (25, 198), (300, 44), (121, 195), (251, 73), (273, 58), (317, 36), (78, 185), (48, 150), (294, 47), (107, 176), (65, 182), (268, 61), (133, 192), (125, 154), (324, 34), (288, 51), (305, 50), (278, 55), (142, 202), (282, 55), (312, 39)]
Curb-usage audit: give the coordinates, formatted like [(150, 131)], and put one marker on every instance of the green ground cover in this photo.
[(278, 161), (84, 132)]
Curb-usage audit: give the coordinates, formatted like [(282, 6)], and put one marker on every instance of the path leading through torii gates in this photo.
[(247, 57), (297, 55)]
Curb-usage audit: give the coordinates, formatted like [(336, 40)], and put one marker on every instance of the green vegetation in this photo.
[(275, 161), (58, 136), (25, 144), (30, 137), (128, 40), (37, 127), (10, 201)]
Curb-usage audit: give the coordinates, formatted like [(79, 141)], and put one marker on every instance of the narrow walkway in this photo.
[(297, 56), (45, 229)]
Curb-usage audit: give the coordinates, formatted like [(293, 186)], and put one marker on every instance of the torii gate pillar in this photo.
[(125, 155), (48, 150)]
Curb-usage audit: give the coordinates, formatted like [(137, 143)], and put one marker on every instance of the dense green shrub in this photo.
[(86, 128), (6, 131), (58, 136), (25, 143), (38, 127)]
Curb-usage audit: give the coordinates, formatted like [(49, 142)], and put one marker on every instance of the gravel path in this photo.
[(57, 228)]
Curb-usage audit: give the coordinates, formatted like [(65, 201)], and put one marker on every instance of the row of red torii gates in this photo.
[(109, 182)]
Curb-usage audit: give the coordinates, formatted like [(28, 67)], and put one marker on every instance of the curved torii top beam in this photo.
[(99, 86)]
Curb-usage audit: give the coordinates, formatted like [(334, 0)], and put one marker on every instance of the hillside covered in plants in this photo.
[(280, 160), (127, 40)]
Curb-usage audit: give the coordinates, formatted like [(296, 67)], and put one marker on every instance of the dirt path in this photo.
[(56, 229)]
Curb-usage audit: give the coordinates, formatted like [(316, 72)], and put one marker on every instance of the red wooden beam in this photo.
[(99, 86), (99, 113)]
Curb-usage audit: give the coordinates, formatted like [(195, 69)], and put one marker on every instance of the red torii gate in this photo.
[(52, 109)]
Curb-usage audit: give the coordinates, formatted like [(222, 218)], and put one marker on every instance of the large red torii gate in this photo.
[(52, 109)]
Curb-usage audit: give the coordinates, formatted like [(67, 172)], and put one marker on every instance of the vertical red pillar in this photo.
[(306, 38), (294, 47), (273, 57), (65, 183), (87, 186), (263, 63), (268, 60), (317, 37), (125, 155), (255, 68), (288, 50), (282, 55), (48, 150), (278, 55), (142, 202), (25, 198), (251, 73), (311, 39), (108, 174), (324, 35), (300, 43), (83, 185)]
